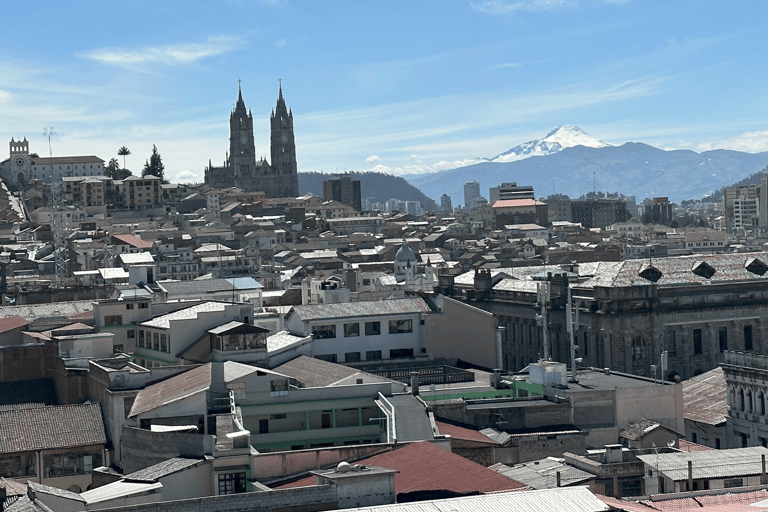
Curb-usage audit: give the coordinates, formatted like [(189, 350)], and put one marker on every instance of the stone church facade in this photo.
[(242, 170)]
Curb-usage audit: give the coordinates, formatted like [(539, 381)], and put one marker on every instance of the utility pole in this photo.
[(58, 221)]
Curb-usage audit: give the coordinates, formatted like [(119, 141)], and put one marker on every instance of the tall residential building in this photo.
[(344, 190), (510, 191), (599, 213), (471, 194), (660, 211), (742, 207), (242, 170), (445, 203)]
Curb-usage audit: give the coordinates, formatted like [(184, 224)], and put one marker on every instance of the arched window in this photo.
[(762, 404), (749, 401), (741, 399)]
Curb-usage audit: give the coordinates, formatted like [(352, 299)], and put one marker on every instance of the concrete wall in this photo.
[(142, 448), (267, 466), (462, 332), (304, 499), (195, 482)]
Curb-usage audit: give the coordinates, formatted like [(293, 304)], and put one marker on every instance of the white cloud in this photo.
[(188, 176), (4, 95), (414, 157), (280, 43), (750, 142), (507, 65), (372, 158), (497, 7), (172, 55)]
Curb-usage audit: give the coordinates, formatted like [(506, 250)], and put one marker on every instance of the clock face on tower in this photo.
[(19, 161), (284, 138), (242, 138)]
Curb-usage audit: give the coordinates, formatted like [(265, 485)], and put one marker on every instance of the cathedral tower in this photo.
[(242, 150), (283, 150)]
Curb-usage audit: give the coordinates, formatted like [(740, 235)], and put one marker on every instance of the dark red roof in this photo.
[(462, 433), (172, 389), (688, 446), (133, 241), (424, 466), (12, 322)]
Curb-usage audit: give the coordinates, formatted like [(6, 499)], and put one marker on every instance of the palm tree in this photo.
[(123, 152)]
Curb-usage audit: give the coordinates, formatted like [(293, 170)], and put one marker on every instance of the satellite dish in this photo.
[(671, 443)]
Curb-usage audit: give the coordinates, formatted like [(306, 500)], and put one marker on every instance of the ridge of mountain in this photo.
[(377, 186), (634, 168)]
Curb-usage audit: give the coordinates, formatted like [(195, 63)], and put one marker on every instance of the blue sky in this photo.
[(396, 86)]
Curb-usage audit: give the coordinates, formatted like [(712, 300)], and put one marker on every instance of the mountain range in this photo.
[(568, 161)]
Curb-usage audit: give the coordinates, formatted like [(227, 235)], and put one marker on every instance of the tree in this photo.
[(112, 168), (123, 152), (154, 165)]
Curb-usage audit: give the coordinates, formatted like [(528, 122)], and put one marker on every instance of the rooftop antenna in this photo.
[(57, 219)]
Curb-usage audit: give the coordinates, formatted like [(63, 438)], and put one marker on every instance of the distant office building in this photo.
[(742, 207), (510, 191), (445, 203), (660, 211), (559, 209), (599, 213), (344, 190), (471, 193)]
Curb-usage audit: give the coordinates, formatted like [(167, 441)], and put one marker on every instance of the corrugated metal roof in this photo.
[(708, 464), (189, 313), (203, 286), (572, 499), (186, 384), (365, 308), (705, 398), (542, 474)]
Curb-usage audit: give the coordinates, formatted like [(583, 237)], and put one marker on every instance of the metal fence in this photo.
[(428, 375)]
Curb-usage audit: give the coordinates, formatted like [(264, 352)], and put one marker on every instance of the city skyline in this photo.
[(399, 88)]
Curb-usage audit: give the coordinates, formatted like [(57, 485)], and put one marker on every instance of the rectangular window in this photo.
[(372, 328), (331, 358), (351, 330), (321, 332), (400, 326), (671, 343), (232, 483), (733, 482), (129, 306), (113, 320), (373, 355), (117, 349), (155, 341), (143, 305), (697, 341), (278, 388), (398, 353), (131, 333), (164, 343), (141, 338), (748, 338), (723, 336), (238, 389), (352, 357)]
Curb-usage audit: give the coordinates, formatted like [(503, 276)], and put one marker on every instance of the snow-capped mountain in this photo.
[(565, 136)]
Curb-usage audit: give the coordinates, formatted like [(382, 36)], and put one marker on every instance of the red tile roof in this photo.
[(688, 446), (12, 322), (56, 426), (426, 467), (172, 389), (133, 241), (462, 433)]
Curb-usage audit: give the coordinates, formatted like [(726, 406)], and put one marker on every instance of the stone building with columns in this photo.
[(746, 378), (629, 312)]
